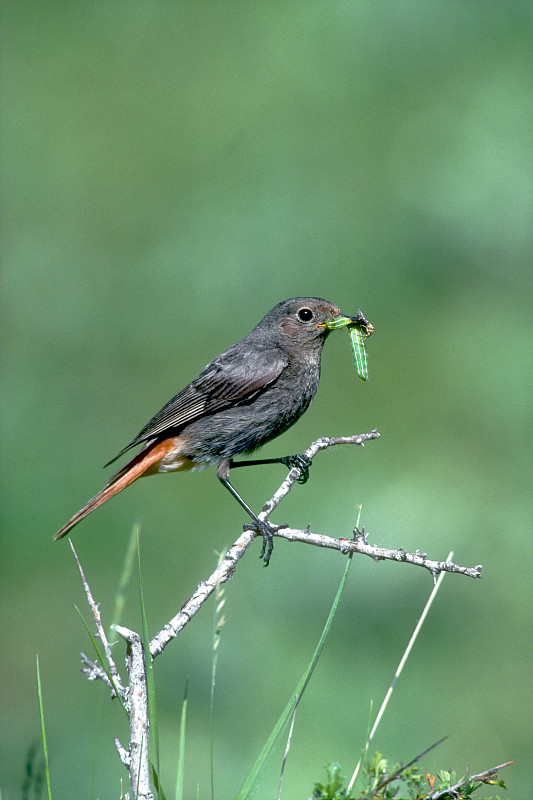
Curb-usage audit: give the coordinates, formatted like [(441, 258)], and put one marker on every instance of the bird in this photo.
[(246, 396)]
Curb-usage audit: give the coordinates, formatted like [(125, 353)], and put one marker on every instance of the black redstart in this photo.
[(246, 396)]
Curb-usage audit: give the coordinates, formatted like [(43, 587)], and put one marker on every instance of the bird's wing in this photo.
[(225, 382)]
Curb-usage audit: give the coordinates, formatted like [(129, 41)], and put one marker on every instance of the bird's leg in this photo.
[(300, 461), (265, 528)]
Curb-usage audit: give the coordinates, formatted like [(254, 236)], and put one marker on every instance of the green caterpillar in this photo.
[(358, 334)]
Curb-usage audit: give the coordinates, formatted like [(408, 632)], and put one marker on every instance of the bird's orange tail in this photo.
[(138, 466)]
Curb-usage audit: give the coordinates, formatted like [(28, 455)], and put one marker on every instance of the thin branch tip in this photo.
[(124, 754)]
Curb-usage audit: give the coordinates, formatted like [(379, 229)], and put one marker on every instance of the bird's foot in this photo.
[(301, 462), (267, 530)]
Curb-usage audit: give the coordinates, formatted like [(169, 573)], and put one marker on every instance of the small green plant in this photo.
[(333, 789), (382, 781), (410, 782)]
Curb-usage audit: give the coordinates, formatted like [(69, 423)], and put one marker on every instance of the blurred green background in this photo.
[(172, 170)]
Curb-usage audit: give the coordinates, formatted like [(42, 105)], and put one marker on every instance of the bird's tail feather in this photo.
[(138, 466)]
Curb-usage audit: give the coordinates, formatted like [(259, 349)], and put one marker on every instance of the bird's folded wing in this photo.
[(223, 383)]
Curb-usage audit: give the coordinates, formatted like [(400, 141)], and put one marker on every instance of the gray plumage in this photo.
[(253, 391)]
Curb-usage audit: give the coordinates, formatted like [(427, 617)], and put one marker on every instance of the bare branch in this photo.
[(100, 632), (359, 544), (139, 767), (124, 754), (94, 671), (222, 573), (134, 697)]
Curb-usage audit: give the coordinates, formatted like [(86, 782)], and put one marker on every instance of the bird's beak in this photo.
[(359, 321)]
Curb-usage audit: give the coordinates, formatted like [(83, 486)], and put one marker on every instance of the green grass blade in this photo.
[(43, 733), (180, 774), (252, 780), (155, 780), (287, 748)]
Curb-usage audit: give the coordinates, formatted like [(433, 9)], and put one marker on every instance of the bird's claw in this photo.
[(301, 462), (266, 529)]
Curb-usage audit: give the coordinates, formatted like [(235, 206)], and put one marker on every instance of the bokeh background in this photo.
[(170, 171)]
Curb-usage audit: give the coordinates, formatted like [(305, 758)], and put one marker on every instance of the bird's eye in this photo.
[(305, 315)]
